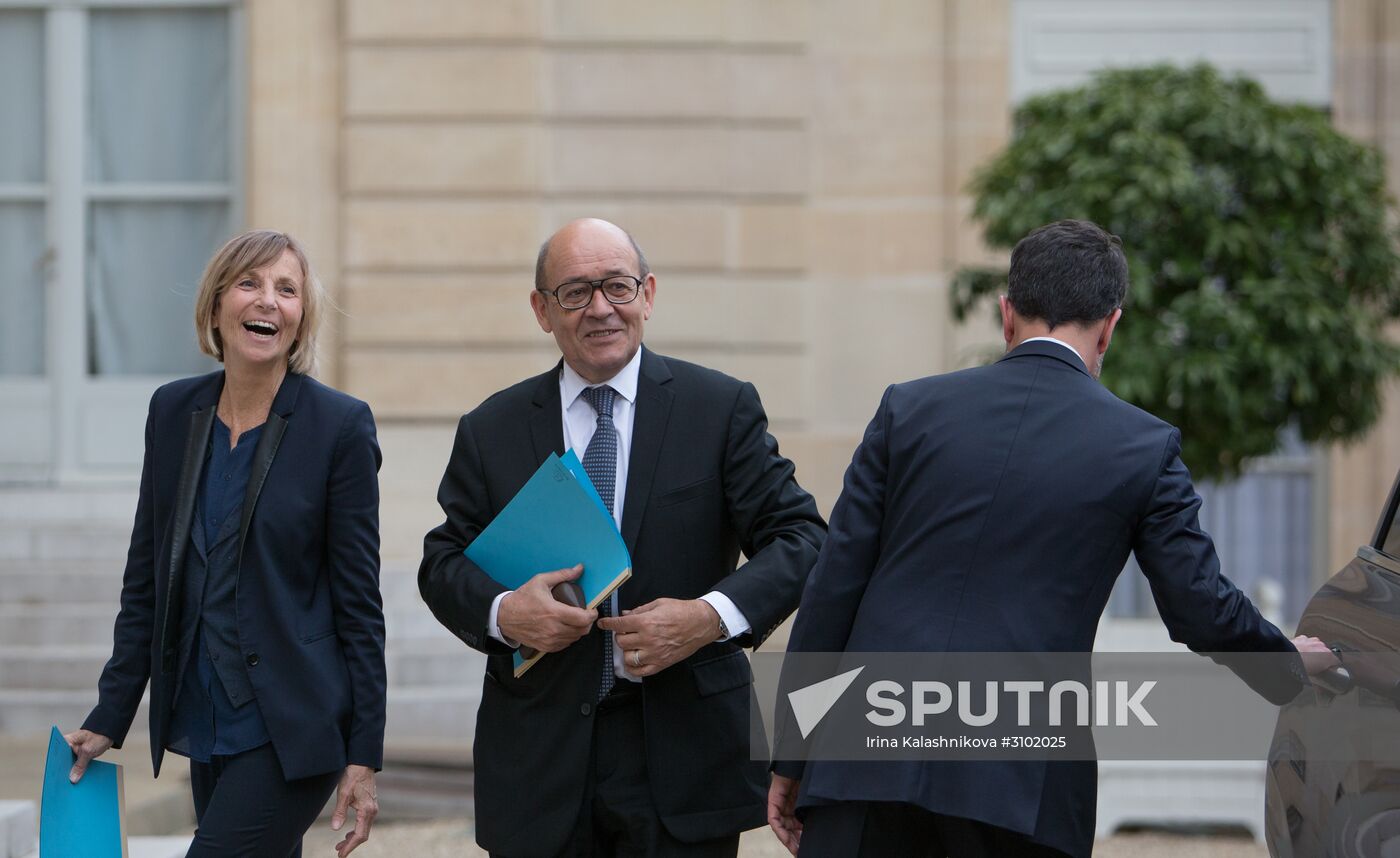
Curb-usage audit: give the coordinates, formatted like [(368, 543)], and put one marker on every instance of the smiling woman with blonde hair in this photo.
[(251, 598), (245, 253)]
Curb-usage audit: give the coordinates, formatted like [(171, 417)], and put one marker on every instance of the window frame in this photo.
[(66, 398)]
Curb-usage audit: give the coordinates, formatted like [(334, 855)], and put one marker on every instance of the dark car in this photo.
[(1334, 764)]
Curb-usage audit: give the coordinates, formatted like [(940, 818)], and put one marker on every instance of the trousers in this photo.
[(243, 806)]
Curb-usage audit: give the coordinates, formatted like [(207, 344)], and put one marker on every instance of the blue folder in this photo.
[(576, 468), (82, 820), (555, 521)]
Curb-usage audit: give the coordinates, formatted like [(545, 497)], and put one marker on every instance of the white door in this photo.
[(118, 179)]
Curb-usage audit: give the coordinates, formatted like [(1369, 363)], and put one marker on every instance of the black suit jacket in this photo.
[(991, 510), (310, 619), (704, 482)]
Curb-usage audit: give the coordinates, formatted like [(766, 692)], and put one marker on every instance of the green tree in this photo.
[(1263, 265)]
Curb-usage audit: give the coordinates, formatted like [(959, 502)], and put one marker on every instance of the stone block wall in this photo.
[(794, 171)]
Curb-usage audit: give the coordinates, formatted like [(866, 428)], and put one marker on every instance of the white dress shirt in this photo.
[(1072, 349), (580, 421)]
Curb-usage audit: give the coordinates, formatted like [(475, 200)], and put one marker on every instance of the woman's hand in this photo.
[(86, 746), (356, 790)]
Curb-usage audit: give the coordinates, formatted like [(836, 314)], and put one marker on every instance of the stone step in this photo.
[(28, 710), (419, 713), (39, 582), (78, 505), (443, 661), (422, 661), (410, 790), (19, 828), (158, 847), (93, 541), (92, 623), (150, 847), (414, 713), (415, 624), (56, 625), (93, 580), (52, 668)]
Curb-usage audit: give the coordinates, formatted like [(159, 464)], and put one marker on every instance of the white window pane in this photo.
[(21, 97), (158, 94), (22, 288), (143, 267), (1284, 44)]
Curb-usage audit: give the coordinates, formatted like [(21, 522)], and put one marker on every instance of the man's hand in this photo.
[(658, 634), (1317, 656), (782, 811), (534, 618), (356, 790), (86, 745)]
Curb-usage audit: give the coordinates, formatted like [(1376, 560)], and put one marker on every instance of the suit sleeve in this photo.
[(124, 677), (352, 537), (837, 585), (457, 591), (779, 528), (1200, 606), (838, 582)]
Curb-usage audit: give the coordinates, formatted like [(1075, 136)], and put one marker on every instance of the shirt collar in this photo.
[(571, 384), (1060, 343)]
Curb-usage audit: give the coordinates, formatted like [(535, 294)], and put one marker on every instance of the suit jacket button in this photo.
[(586, 709), (253, 659)]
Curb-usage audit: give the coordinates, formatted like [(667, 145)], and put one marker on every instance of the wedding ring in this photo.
[(636, 658)]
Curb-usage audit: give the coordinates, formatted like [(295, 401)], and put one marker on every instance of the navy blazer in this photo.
[(705, 481), (991, 510), (310, 617)]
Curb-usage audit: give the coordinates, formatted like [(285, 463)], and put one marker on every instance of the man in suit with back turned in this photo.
[(991, 510), (632, 736)]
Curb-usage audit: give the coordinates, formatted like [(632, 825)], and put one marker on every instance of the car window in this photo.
[(1387, 537)]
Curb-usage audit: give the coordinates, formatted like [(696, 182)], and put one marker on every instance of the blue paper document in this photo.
[(555, 521), (82, 820)]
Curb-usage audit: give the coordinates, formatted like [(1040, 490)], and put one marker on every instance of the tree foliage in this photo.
[(1263, 265)]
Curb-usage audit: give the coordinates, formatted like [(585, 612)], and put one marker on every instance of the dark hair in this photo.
[(1068, 271), (642, 268)]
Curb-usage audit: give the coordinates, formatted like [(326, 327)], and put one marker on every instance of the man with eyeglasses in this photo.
[(632, 737)]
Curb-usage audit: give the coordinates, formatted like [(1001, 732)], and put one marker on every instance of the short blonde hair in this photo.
[(242, 254)]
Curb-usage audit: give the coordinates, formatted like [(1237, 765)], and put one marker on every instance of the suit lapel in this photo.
[(547, 422), (653, 413), (266, 451), (186, 493), (191, 470)]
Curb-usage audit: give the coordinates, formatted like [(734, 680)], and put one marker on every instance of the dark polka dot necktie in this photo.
[(600, 463)]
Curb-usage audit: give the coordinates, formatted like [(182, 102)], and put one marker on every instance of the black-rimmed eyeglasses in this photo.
[(577, 294)]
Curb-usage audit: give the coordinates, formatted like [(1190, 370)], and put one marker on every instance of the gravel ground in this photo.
[(442, 839)]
